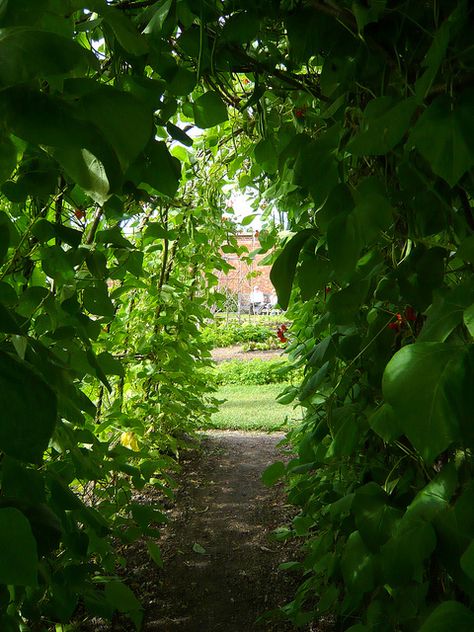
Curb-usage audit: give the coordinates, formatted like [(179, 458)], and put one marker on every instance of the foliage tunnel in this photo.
[(122, 124)]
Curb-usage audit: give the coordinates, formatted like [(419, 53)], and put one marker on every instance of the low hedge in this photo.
[(225, 334), (252, 372)]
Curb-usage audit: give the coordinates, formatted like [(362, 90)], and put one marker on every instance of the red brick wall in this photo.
[(238, 281)]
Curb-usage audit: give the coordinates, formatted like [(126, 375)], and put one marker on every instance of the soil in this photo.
[(235, 352), (220, 565)]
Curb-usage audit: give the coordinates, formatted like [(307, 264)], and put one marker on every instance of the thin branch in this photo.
[(94, 226)]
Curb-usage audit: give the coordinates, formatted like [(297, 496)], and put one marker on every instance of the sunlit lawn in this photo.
[(253, 408)]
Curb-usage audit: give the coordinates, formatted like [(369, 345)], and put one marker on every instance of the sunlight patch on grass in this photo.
[(250, 407)]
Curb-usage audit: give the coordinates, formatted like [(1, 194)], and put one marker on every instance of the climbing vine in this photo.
[(350, 123)]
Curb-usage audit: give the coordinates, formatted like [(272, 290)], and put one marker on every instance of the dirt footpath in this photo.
[(236, 352), (220, 566), (221, 569)]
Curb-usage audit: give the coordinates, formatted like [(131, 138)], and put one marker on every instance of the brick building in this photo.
[(248, 284)]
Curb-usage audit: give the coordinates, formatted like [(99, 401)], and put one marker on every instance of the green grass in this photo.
[(250, 407)]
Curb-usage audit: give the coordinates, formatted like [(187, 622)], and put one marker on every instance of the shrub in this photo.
[(225, 334), (253, 372)]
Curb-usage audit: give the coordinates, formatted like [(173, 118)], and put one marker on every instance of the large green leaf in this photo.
[(435, 496), (26, 54), (383, 126), (345, 240), (283, 270), (121, 598), (19, 558), (403, 556), (28, 410), (425, 385), (97, 300), (209, 110), (358, 566), (374, 517), (444, 136), (446, 312), (124, 120), (122, 27), (78, 145), (449, 616), (162, 170)]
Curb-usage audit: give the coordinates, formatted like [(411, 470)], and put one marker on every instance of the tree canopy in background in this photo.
[(122, 123)]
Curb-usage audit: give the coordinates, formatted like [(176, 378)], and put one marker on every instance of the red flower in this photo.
[(281, 333), (299, 113), (410, 314), (79, 213), (394, 326)]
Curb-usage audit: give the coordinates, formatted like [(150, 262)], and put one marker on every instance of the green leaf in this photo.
[(273, 473), (435, 496), (368, 12), (97, 301), (209, 110), (124, 120), (423, 383), (467, 560), (162, 171), (87, 171), (466, 249), (374, 517), (57, 264), (155, 25), (444, 136), (114, 237), (345, 242), (403, 556), (313, 382), (109, 364), (446, 312), (266, 155), (6, 234), (121, 598), (248, 219), (385, 423), (29, 410), (284, 268), (146, 515), (240, 27), (27, 54), (434, 57), (8, 158), (123, 28), (448, 616), (469, 319), (358, 566), (19, 558), (197, 548), (96, 262), (179, 134), (343, 304), (383, 126), (155, 553)]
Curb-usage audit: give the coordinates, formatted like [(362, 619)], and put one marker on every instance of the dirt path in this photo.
[(220, 567), (225, 509), (235, 352)]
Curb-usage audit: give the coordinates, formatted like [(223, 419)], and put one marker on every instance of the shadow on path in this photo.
[(224, 508)]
